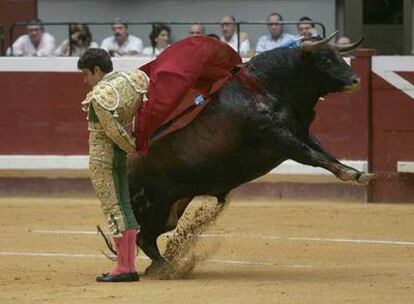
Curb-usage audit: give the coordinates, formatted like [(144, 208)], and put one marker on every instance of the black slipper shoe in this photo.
[(123, 277)]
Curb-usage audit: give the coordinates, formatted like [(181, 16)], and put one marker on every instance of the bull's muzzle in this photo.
[(354, 86)]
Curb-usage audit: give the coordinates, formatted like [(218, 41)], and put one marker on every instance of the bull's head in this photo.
[(334, 72)]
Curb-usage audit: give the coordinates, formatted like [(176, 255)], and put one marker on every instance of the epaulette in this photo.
[(137, 79), (106, 95)]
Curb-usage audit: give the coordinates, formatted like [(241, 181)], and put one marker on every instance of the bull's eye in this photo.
[(327, 61)]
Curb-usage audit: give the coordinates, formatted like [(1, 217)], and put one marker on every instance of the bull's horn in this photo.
[(350, 46), (312, 46), (327, 39)]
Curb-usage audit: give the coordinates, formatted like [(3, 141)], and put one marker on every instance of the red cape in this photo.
[(194, 63)]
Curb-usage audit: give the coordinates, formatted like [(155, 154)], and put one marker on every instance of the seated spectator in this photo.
[(35, 43), (196, 29), (306, 28), (122, 43), (229, 35), (80, 41), (160, 39), (276, 37), (343, 40)]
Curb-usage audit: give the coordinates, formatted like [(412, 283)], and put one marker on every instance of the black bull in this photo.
[(241, 135)]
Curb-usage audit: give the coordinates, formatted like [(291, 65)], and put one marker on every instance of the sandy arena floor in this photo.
[(264, 252)]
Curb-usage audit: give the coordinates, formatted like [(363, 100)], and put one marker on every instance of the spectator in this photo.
[(343, 40), (276, 37), (80, 41), (229, 35), (122, 43), (196, 29), (35, 43), (306, 28), (160, 39)]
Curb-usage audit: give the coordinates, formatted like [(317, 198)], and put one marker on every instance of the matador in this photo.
[(111, 106)]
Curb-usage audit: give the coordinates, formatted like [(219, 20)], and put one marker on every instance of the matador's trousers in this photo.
[(108, 169)]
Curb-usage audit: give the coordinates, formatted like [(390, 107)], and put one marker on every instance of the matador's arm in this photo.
[(113, 129)]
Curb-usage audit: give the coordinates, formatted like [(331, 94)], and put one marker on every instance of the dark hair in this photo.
[(95, 57), (85, 36), (231, 17), (214, 36), (275, 14), (36, 21), (156, 31), (306, 19), (121, 20)]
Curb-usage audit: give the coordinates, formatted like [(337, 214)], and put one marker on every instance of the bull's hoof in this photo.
[(348, 175), (365, 178), (151, 269), (160, 270)]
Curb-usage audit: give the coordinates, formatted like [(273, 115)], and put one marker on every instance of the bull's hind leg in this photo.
[(176, 211), (223, 198), (148, 244), (178, 208)]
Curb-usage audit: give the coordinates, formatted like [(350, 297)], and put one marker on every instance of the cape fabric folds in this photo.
[(192, 64)]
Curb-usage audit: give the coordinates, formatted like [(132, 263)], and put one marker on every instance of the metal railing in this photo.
[(153, 24)]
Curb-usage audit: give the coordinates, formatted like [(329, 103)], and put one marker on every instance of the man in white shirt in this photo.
[(229, 35), (35, 43), (122, 43), (276, 37), (306, 28), (196, 29)]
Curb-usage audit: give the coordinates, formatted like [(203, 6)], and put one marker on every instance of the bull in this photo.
[(242, 134)]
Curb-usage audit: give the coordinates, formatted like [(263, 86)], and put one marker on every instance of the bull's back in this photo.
[(214, 153)]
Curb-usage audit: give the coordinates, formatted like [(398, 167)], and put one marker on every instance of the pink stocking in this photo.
[(121, 255), (132, 238)]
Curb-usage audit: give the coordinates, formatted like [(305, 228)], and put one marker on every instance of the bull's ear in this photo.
[(312, 46)]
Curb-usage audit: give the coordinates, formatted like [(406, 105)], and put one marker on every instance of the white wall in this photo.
[(180, 10)]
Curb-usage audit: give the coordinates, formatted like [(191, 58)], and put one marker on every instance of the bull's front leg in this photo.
[(314, 143), (346, 173), (309, 152)]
